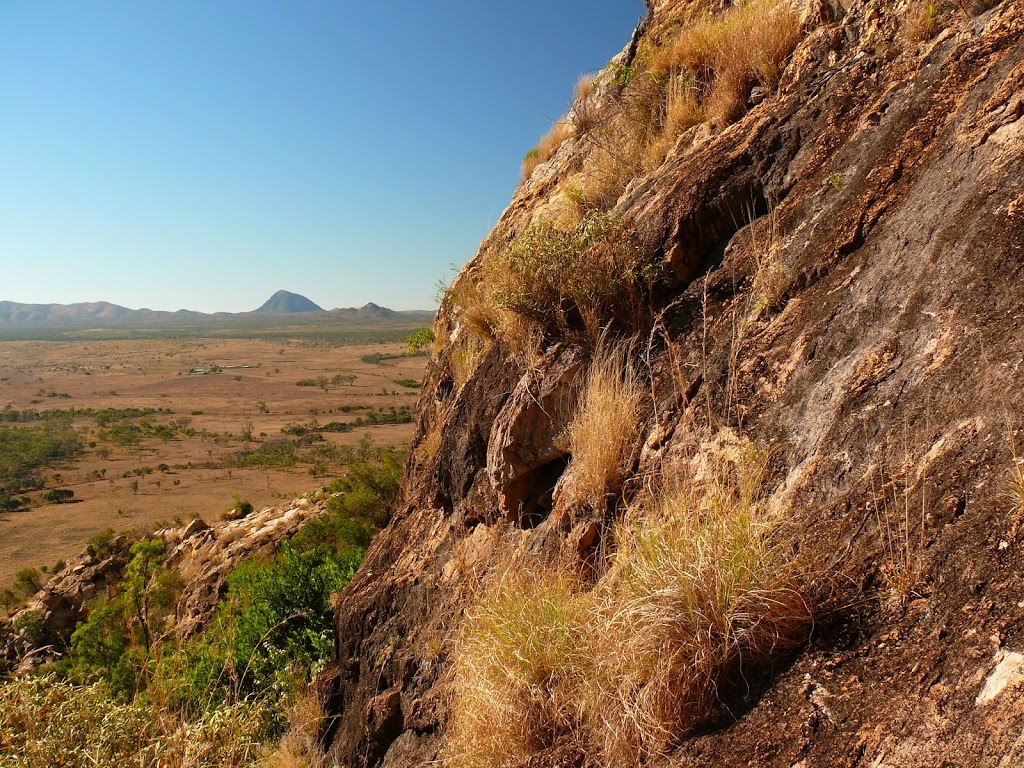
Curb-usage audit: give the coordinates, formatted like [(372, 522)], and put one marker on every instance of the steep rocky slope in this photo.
[(882, 374)]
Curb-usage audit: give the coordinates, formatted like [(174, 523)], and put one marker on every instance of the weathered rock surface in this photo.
[(886, 379)]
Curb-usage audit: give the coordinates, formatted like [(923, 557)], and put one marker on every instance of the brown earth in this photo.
[(886, 381), (154, 374)]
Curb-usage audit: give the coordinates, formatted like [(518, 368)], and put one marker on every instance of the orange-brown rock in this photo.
[(885, 376)]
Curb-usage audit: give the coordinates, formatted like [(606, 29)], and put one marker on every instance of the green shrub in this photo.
[(282, 616), (568, 284), (118, 639), (27, 582), (59, 495), (29, 625), (241, 508), (107, 544), (419, 340), (25, 450), (370, 487)]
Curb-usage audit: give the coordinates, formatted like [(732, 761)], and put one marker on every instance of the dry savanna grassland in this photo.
[(138, 437)]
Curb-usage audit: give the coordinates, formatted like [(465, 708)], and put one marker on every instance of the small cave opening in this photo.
[(529, 498)]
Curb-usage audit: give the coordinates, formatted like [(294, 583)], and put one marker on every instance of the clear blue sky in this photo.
[(202, 154)]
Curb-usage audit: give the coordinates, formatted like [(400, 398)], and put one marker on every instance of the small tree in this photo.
[(59, 495), (419, 340)]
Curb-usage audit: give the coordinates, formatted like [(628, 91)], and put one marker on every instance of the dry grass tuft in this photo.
[(46, 722), (584, 87), (901, 529), (747, 45), (551, 282), (300, 747), (700, 601), (683, 109), (772, 278), (546, 147), (465, 357), (704, 71), (1015, 485), (511, 674), (604, 429), (923, 21)]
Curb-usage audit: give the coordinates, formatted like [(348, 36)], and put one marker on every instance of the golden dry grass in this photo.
[(546, 147), (901, 529), (512, 662), (683, 109), (747, 45), (700, 598), (299, 747), (923, 21), (604, 429), (45, 722), (464, 358), (704, 71), (585, 86), (1015, 486), (700, 595), (772, 277)]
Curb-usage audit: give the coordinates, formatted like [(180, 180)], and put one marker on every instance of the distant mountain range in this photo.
[(281, 306)]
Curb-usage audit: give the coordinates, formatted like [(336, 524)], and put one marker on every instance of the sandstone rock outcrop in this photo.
[(884, 375)]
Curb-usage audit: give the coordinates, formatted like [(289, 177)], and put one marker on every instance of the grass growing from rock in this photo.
[(514, 668), (699, 600), (604, 428), (554, 283), (704, 71)]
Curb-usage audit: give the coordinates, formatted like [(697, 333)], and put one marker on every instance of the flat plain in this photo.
[(163, 442)]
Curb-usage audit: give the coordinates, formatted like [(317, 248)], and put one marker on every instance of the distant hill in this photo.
[(287, 303), (29, 320)]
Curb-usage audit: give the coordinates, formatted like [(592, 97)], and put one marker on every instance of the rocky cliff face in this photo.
[(841, 281)]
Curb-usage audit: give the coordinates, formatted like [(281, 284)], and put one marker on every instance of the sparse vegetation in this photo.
[(27, 449), (554, 283), (131, 693), (923, 21), (772, 277)]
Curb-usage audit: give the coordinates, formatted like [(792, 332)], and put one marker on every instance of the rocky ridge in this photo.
[(884, 377), (201, 553)]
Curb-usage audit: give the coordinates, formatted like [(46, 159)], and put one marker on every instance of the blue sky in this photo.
[(201, 155)]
